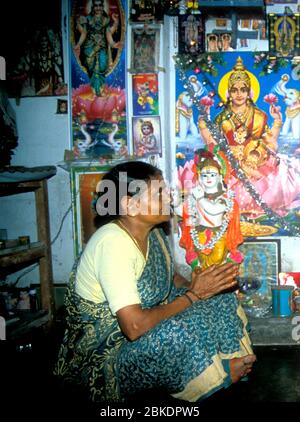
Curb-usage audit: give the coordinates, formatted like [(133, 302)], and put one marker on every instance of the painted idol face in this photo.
[(210, 177)]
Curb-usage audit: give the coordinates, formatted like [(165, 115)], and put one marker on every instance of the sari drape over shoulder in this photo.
[(182, 355)]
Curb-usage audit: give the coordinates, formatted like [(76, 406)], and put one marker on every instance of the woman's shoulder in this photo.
[(111, 233)]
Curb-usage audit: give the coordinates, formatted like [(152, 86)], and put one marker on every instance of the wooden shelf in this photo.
[(24, 322), (22, 254), (39, 251)]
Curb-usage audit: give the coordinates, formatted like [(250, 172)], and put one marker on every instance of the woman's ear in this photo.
[(129, 206), (124, 204), (133, 207)]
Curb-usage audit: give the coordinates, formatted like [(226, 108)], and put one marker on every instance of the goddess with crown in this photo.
[(254, 146)]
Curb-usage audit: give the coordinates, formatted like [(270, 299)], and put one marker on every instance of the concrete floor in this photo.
[(26, 377), (275, 378)]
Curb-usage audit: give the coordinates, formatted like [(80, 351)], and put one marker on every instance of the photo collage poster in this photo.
[(249, 35)]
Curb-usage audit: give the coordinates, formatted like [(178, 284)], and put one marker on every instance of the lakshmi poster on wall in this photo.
[(145, 94), (97, 31), (253, 104)]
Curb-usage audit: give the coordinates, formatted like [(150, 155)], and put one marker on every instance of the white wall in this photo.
[(43, 137)]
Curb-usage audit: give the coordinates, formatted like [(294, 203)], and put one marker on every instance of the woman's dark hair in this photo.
[(121, 176)]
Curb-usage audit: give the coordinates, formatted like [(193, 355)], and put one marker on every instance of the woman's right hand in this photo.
[(214, 279)]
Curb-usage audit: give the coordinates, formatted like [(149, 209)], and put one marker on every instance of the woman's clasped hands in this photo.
[(213, 280)]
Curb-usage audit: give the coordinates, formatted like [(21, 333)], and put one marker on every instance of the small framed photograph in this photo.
[(84, 187), (258, 272), (145, 49), (252, 34), (212, 42), (145, 94), (191, 34), (245, 23), (62, 107), (146, 136), (221, 22)]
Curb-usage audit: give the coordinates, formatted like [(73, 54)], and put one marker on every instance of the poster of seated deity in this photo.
[(250, 108), (97, 56)]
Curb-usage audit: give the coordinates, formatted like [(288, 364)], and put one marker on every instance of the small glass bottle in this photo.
[(33, 300)]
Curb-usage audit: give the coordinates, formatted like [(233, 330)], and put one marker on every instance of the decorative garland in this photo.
[(269, 64), (219, 233), (222, 142), (204, 62)]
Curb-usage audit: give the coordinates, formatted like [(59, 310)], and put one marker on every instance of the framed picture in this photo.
[(191, 33), (252, 35), (218, 34), (85, 185), (284, 31), (146, 11), (145, 49), (258, 272), (146, 136), (145, 94), (221, 22), (289, 279), (62, 107)]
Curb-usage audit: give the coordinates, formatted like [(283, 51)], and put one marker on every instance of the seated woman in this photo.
[(129, 328)]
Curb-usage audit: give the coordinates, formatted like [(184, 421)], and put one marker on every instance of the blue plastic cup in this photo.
[(281, 300)]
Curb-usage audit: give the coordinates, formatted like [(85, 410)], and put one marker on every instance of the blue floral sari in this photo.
[(185, 355)]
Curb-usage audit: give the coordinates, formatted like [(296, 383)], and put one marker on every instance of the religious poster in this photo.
[(146, 135), (97, 48), (250, 107), (145, 94), (145, 49), (33, 49), (284, 34), (259, 271), (191, 31)]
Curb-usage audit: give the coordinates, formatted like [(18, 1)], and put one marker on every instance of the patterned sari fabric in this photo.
[(182, 355)]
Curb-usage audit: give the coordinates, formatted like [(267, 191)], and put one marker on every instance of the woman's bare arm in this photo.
[(135, 321)]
